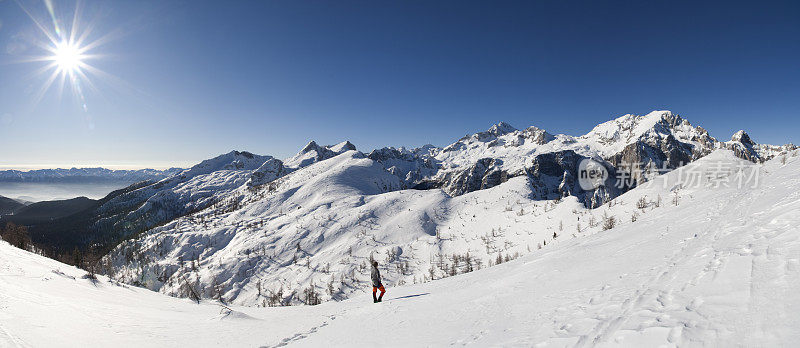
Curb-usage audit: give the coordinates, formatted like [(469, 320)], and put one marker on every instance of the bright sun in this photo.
[(67, 57), (66, 52)]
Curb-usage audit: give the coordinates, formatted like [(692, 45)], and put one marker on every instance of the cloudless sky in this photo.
[(186, 80)]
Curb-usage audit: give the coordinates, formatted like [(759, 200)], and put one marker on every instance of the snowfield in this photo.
[(720, 268)]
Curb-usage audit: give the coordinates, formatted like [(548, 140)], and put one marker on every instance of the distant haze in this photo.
[(35, 192), (130, 166)]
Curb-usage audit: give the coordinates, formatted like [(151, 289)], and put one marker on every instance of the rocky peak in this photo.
[(501, 128), (537, 135), (742, 137), (343, 147), (234, 160), (312, 153), (311, 146)]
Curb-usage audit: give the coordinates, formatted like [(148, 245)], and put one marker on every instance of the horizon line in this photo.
[(130, 166)]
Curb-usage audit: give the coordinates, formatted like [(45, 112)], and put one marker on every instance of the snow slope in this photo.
[(321, 224), (720, 268)]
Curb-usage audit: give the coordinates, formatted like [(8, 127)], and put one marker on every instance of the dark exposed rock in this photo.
[(482, 175), (742, 137), (554, 174), (269, 171)]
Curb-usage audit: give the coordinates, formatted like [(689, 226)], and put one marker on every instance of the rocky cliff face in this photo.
[(668, 142), (269, 171)]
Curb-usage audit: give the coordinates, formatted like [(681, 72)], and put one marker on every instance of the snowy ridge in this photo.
[(313, 153), (149, 203), (720, 268)]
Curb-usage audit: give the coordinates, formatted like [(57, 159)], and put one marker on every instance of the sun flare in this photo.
[(68, 49), (67, 57)]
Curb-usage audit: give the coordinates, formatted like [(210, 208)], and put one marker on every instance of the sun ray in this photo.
[(84, 77), (39, 25), (62, 82), (73, 32), (46, 86)]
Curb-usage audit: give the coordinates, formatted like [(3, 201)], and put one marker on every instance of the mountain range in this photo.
[(81, 175), (241, 226)]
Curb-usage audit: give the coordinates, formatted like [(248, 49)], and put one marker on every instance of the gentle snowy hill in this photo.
[(719, 268)]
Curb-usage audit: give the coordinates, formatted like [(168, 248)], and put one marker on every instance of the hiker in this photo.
[(376, 283)]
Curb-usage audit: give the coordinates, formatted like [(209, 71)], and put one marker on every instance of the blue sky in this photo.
[(188, 80)]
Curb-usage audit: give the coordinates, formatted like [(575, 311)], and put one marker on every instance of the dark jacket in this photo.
[(376, 277)]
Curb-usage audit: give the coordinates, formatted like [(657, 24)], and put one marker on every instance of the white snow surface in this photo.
[(721, 268)]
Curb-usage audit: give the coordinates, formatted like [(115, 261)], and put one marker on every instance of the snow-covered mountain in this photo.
[(640, 145), (147, 204), (746, 148), (313, 153), (84, 175), (719, 268), (150, 203), (268, 233)]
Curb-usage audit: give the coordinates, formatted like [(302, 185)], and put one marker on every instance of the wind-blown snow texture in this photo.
[(721, 268), (265, 232)]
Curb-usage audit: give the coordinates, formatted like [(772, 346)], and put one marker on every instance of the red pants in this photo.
[(374, 289)]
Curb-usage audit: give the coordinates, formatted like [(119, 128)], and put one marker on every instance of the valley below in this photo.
[(37, 191)]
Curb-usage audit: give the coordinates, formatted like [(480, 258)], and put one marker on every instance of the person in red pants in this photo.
[(376, 283)]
